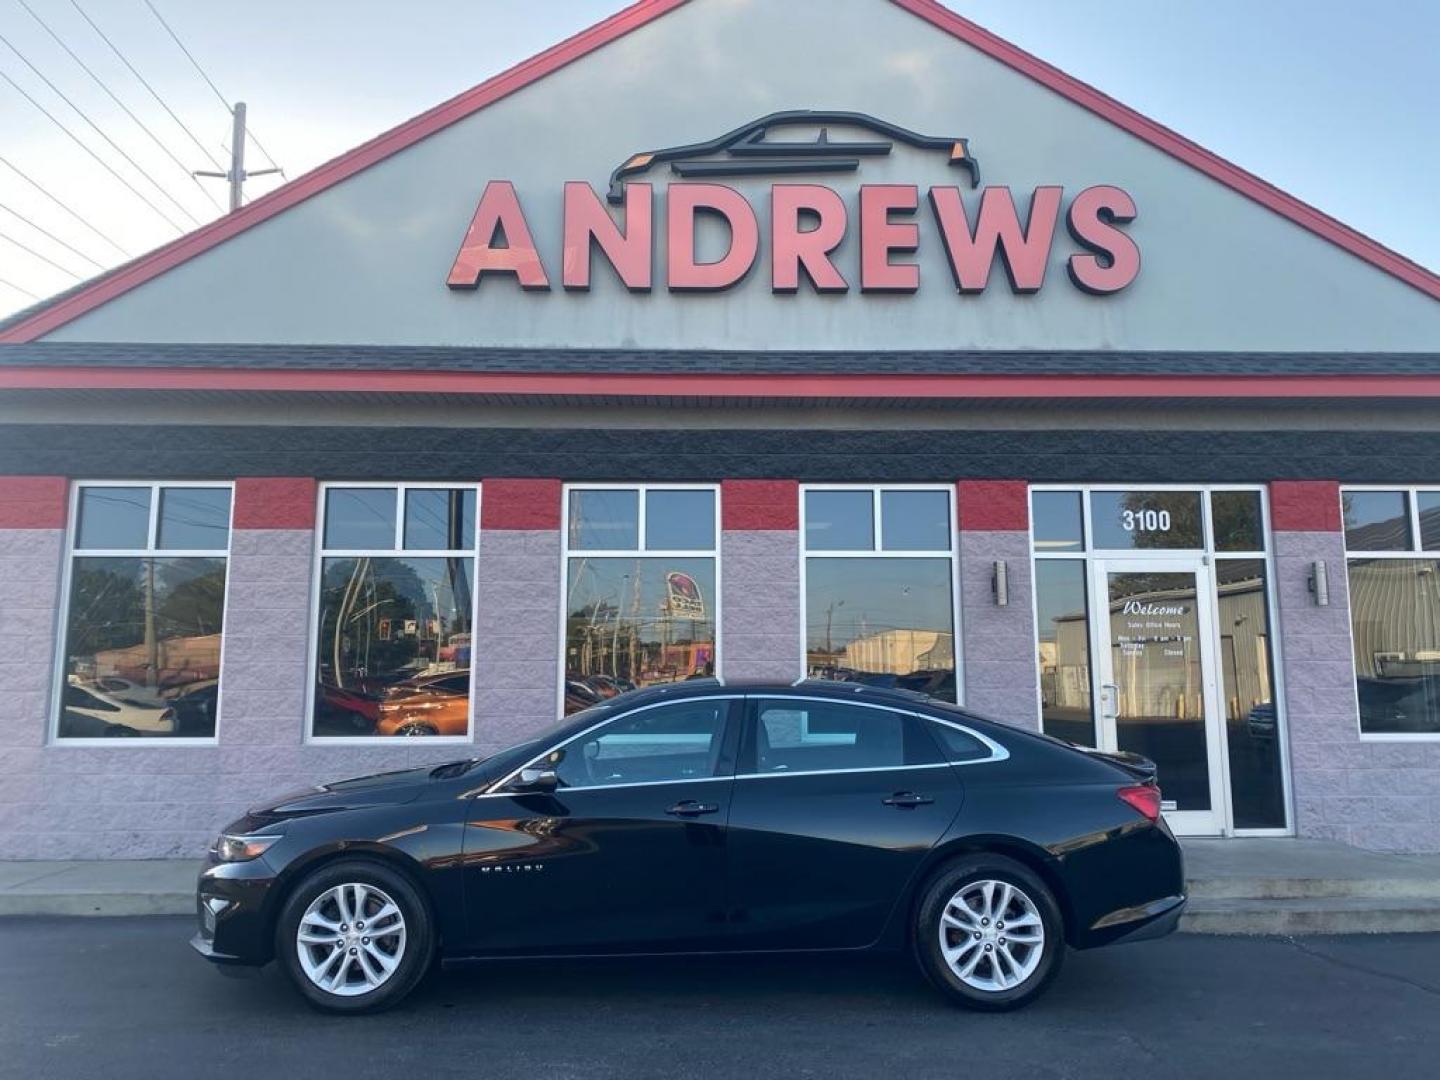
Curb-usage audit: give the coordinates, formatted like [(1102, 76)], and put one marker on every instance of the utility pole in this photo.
[(237, 174)]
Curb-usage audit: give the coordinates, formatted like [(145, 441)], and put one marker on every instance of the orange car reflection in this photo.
[(427, 706)]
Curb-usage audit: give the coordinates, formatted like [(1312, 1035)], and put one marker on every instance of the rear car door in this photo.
[(626, 855), (836, 805)]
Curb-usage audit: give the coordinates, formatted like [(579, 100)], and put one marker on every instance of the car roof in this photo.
[(829, 688)]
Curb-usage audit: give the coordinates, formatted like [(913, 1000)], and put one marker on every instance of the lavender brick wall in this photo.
[(1383, 795), (998, 643), (517, 657), (140, 799), (760, 609)]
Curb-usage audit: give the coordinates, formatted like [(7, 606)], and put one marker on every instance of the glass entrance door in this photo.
[(1157, 676)]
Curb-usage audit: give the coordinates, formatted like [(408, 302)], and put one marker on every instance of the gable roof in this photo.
[(35, 322)]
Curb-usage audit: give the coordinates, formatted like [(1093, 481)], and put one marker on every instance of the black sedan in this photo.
[(705, 817)]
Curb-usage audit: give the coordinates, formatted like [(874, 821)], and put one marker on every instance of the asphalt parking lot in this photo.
[(120, 998)]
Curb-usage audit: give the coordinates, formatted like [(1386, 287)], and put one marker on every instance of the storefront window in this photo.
[(394, 639), (640, 595), (879, 587), (1252, 733), (145, 611), (1063, 629), (1056, 521), (1394, 573)]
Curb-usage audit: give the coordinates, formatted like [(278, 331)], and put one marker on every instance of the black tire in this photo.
[(951, 881), (419, 935), (414, 730)]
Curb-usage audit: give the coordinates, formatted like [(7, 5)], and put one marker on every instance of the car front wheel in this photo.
[(989, 933), (354, 936)]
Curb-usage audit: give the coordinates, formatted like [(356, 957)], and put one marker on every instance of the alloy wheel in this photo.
[(351, 939), (991, 935)]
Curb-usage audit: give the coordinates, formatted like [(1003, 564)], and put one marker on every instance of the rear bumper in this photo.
[(1139, 923)]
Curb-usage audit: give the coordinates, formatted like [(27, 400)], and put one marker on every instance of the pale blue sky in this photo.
[(1331, 101)]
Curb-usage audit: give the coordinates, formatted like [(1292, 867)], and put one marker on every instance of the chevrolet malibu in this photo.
[(708, 818)]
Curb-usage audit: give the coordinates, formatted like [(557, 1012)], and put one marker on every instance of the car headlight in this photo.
[(242, 848)]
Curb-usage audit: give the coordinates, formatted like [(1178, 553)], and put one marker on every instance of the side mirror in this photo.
[(539, 777)]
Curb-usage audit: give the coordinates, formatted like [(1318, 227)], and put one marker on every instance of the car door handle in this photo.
[(691, 808), (906, 799)]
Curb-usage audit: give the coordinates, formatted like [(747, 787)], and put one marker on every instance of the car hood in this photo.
[(376, 789)]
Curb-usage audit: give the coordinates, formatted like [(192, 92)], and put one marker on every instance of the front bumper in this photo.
[(231, 906)]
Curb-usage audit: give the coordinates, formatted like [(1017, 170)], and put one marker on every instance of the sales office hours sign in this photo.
[(808, 221)]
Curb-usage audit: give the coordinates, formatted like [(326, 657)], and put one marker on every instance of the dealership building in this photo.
[(722, 339)]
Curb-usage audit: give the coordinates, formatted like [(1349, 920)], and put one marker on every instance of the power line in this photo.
[(46, 192), (101, 83), (143, 82), (43, 258), (17, 288), (209, 81), (46, 232), (97, 130)]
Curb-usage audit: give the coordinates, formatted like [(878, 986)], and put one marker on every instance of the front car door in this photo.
[(626, 854), (836, 805)]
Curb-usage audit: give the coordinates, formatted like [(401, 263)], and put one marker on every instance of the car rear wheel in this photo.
[(989, 933), (417, 729), (354, 936)]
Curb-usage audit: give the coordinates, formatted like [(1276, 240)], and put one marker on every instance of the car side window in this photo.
[(798, 735), (679, 741)]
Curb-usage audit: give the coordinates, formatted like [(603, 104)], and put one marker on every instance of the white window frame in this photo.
[(149, 551), (312, 666), (1208, 554), (878, 551), (639, 551), (1412, 494)]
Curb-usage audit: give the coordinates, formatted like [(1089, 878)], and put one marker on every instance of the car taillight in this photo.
[(1143, 797)]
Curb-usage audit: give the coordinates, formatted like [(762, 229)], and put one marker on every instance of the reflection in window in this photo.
[(143, 630), (667, 743), (1237, 518), (878, 619), (1395, 621), (1148, 520), (1063, 626), (1056, 521), (1252, 735), (839, 520), (881, 621), (810, 736), (1376, 520), (632, 618), (394, 640), (1428, 505)]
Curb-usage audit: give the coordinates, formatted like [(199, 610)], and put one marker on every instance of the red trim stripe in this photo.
[(33, 502), (637, 15), (520, 504), (1305, 506), (993, 505), (274, 502), (760, 504), (736, 386)]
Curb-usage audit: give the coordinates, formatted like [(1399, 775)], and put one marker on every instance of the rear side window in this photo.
[(958, 745), (794, 735)]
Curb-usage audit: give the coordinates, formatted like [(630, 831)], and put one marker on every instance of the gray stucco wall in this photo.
[(998, 643), (760, 609), (365, 262), (517, 663)]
